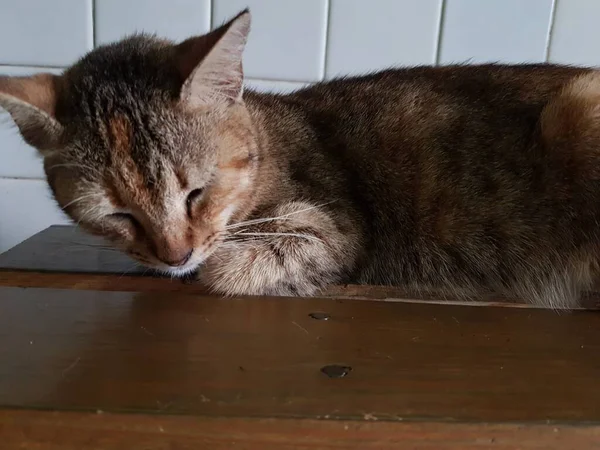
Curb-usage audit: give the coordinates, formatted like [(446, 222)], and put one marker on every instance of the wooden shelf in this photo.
[(90, 358)]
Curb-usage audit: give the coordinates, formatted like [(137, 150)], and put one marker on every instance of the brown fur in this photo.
[(460, 179), (121, 136)]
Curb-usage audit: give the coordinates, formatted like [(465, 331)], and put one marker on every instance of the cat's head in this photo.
[(146, 142)]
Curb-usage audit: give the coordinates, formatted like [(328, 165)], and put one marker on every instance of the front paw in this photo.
[(238, 269), (255, 268), (295, 249)]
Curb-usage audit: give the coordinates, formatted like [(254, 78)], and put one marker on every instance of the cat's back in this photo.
[(426, 108), (475, 84), (447, 109), (416, 102)]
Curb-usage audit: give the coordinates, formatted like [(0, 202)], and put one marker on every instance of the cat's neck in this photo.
[(276, 126)]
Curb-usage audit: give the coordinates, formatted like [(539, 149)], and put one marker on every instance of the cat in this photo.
[(460, 178)]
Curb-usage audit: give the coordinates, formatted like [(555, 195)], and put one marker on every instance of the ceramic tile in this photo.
[(282, 87), (45, 32), (511, 31), (287, 41), (27, 208), (576, 33), (173, 19), (367, 36)]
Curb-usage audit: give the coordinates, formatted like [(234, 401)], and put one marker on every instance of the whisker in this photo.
[(234, 242), (87, 214), (83, 197), (240, 231), (298, 235), (254, 222), (76, 247), (134, 266), (75, 166), (98, 246), (270, 219)]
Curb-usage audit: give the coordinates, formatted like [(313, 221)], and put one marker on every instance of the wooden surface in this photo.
[(67, 249), (97, 359), (87, 431), (261, 357)]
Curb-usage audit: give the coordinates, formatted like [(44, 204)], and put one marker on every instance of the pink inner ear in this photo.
[(192, 51), (37, 90)]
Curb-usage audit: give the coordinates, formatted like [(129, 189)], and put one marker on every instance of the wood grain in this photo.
[(68, 249), (127, 283), (88, 431), (190, 354)]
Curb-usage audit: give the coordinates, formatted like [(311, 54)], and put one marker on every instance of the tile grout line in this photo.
[(441, 23), (553, 9), (93, 26), (17, 178), (267, 80), (28, 66), (286, 80), (327, 39)]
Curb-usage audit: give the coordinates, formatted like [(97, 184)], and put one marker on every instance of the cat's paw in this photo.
[(254, 268), (294, 250)]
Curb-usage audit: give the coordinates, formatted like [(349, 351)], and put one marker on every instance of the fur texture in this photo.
[(459, 179)]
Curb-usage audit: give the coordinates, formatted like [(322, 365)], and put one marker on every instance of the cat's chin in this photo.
[(190, 268), (178, 272)]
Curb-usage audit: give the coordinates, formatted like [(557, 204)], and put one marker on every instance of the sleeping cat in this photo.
[(459, 179)]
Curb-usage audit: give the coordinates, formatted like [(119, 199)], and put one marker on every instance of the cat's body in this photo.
[(445, 176), (458, 179)]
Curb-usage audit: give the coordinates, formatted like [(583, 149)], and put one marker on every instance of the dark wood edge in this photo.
[(81, 431), (129, 283)]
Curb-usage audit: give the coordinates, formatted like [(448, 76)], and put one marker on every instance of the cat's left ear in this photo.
[(31, 102), (212, 64)]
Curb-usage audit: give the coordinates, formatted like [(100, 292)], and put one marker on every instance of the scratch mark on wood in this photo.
[(146, 331), (71, 366), (301, 327)]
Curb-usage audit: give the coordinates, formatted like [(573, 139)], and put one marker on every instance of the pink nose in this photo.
[(176, 259)]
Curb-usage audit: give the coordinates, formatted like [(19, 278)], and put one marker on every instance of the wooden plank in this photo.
[(68, 249), (84, 431), (127, 283), (169, 353)]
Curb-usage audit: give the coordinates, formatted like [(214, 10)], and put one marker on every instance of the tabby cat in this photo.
[(461, 179)]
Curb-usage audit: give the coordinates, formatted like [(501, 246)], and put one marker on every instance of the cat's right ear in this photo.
[(212, 64), (31, 102)]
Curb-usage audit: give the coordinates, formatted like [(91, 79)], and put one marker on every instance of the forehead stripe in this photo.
[(120, 134)]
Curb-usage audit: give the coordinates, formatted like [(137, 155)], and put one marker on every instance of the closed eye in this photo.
[(123, 216), (191, 200)]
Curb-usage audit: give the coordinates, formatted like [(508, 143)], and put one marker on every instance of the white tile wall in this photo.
[(491, 31), (293, 43), (45, 33), (280, 87), (375, 34), (26, 207), (576, 34), (173, 19), (288, 37)]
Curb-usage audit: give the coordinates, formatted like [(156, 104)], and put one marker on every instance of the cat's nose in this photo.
[(177, 259)]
